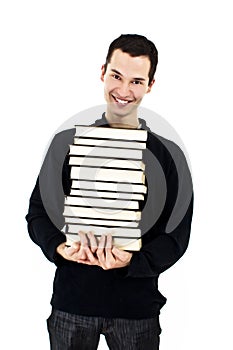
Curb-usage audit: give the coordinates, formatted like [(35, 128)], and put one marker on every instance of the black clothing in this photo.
[(130, 292)]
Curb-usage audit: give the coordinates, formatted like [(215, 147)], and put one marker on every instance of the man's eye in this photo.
[(115, 76), (137, 82)]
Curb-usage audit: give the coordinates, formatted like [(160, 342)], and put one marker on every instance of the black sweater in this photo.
[(132, 291)]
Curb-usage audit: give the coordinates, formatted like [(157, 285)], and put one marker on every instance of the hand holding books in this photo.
[(101, 253)]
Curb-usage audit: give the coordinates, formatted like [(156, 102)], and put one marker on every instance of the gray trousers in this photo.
[(74, 332)]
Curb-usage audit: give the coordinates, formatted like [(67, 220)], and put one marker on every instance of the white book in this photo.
[(107, 162), (101, 203), (122, 232), (102, 213), (102, 174), (109, 186), (121, 243), (107, 194), (111, 133), (109, 143), (98, 222), (108, 152)]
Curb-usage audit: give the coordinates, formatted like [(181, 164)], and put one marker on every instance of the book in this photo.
[(119, 232), (102, 213), (101, 203), (110, 133), (107, 162), (99, 222), (92, 151), (101, 174), (106, 194), (109, 143), (109, 186), (121, 243)]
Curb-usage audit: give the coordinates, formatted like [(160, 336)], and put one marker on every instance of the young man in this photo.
[(98, 288)]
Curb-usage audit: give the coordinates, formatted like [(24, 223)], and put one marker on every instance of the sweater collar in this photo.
[(104, 123)]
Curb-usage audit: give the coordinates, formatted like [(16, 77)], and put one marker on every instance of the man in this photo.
[(98, 288)]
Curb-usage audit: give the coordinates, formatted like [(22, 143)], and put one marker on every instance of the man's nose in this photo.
[(124, 89)]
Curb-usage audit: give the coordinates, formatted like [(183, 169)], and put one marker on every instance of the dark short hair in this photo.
[(135, 45)]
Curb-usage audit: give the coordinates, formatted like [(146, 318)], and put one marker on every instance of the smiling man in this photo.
[(98, 288), (126, 81)]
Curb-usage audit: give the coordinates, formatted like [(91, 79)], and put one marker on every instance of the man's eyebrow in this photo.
[(119, 73), (116, 71)]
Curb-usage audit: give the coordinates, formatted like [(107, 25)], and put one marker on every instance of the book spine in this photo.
[(120, 232), (121, 243), (106, 194), (105, 152), (109, 186), (106, 162), (99, 222), (109, 214), (109, 143), (111, 133), (101, 203), (117, 175)]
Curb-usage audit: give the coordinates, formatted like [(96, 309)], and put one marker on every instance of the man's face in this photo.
[(125, 83)]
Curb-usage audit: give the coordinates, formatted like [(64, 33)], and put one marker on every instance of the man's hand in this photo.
[(70, 253), (89, 252), (78, 250), (107, 256)]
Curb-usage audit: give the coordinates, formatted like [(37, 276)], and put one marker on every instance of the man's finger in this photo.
[(90, 256), (93, 241), (100, 251), (72, 249), (87, 262), (122, 255), (119, 253), (83, 238), (108, 243), (109, 258), (102, 242), (85, 250)]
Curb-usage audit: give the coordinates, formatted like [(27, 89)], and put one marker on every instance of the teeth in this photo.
[(121, 101)]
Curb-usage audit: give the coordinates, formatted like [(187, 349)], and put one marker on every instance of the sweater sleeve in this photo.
[(167, 240), (163, 251), (45, 214), (41, 229)]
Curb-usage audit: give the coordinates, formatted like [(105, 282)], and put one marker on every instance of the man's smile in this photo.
[(120, 101)]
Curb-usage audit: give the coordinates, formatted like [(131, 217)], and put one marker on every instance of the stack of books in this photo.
[(108, 183)]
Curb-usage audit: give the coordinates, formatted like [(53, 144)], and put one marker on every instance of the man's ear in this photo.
[(102, 72), (150, 86)]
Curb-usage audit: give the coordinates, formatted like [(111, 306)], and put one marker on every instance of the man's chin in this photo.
[(121, 111), (119, 114)]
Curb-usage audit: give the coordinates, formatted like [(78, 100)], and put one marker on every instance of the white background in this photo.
[(51, 55)]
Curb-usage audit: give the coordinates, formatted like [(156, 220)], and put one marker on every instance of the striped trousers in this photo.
[(74, 332)]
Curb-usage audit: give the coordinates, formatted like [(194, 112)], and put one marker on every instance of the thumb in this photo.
[(120, 254), (72, 249)]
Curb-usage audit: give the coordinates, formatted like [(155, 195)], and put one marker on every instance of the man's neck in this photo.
[(122, 122)]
